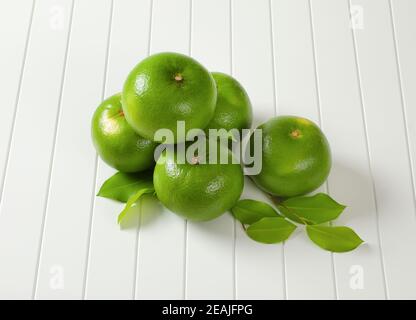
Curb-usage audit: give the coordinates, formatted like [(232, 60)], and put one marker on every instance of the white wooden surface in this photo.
[(355, 77)]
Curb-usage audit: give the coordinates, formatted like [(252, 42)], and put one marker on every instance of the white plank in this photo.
[(26, 181), (404, 24), (307, 266), (259, 267), (161, 260), (350, 181), (388, 148), (15, 22), (211, 42), (112, 262), (367, 113), (66, 231), (210, 249)]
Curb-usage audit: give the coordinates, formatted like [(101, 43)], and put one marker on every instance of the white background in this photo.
[(354, 76)]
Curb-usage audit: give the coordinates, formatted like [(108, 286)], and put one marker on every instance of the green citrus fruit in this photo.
[(195, 190), (233, 110), (296, 156), (165, 88), (116, 142)]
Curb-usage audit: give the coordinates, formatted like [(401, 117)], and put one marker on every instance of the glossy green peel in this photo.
[(116, 142), (166, 88), (296, 158), (197, 191), (233, 109)]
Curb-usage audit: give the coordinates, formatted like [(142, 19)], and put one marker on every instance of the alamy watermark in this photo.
[(357, 277), (56, 17), (57, 277), (195, 146), (356, 17)]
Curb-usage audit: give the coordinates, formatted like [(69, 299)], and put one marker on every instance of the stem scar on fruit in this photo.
[(195, 160), (178, 77), (295, 134)]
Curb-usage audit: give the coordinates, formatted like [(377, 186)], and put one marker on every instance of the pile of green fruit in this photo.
[(167, 88)]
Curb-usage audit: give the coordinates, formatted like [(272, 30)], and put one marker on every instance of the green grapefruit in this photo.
[(165, 88), (195, 190), (116, 142), (233, 109), (296, 157)]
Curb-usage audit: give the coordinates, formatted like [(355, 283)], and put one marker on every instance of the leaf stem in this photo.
[(279, 202)]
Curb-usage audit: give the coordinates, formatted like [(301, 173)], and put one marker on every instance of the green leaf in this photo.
[(271, 230), (248, 211), (335, 239), (316, 209), (132, 200), (122, 186)]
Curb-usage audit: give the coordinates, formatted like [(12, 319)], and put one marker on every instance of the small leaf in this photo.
[(122, 186), (132, 200), (316, 209), (248, 211), (335, 239), (271, 230)]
